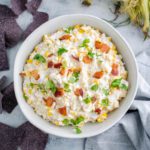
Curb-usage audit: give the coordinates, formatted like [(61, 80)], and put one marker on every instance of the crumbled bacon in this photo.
[(78, 92), (98, 110), (50, 55), (98, 74), (57, 65), (62, 71), (75, 57), (63, 111), (97, 44), (35, 74), (59, 92), (65, 37), (114, 70), (69, 71), (22, 74), (49, 101), (50, 64), (87, 59), (94, 99)]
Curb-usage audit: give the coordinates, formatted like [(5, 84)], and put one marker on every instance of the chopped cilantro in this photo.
[(116, 82), (123, 86), (105, 102), (75, 77), (78, 130), (85, 43), (40, 58), (50, 85), (94, 87), (32, 85), (61, 51), (87, 100), (69, 29), (77, 121), (90, 54), (66, 122), (25, 97), (66, 87), (105, 91)]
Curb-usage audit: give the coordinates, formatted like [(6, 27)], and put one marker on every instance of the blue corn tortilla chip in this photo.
[(12, 31), (34, 139), (2, 80), (3, 55), (38, 19), (9, 99), (10, 138), (6, 12), (33, 5), (18, 6), (1, 97)]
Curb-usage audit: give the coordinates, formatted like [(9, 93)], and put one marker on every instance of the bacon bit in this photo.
[(35, 74), (57, 65), (78, 92), (75, 58), (94, 99), (105, 48), (114, 70), (22, 74), (65, 37), (87, 59), (59, 92), (98, 74), (98, 110), (63, 111), (76, 69), (50, 55), (49, 101), (50, 64), (62, 71), (97, 44)]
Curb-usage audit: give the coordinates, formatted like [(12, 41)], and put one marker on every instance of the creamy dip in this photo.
[(74, 76)]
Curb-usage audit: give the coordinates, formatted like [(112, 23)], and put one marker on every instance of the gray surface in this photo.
[(133, 130)]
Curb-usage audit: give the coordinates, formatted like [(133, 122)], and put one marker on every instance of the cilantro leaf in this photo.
[(87, 100), (116, 82), (78, 130), (105, 102), (105, 91), (66, 122), (85, 43), (40, 58), (61, 51), (90, 54), (123, 86), (50, 85), (94, 87), (75, 77), (69, 29), (66, 87)]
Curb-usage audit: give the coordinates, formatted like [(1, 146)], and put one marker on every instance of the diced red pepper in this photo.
[(49, 101), (50, 64), (98, 110), (87, 59), (65, 37), (57, 65)]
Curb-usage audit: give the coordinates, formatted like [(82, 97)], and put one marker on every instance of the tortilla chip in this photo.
[(38, 19), (34, 139), (12, 31), (1, 97), (18, 6), (9, 137), (3, 55), (33, 5), (6, 12), (9, 100)]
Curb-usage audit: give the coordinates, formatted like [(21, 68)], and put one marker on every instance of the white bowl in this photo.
[(51, 26)]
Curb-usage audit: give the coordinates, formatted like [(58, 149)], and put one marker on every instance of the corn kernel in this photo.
[(29, 61), (46, 54), (99, 120), (35, 48), (56, 123), (29, 101), (104, 115), (30, 91)]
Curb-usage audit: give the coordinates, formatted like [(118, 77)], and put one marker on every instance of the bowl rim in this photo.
[(16, 77)]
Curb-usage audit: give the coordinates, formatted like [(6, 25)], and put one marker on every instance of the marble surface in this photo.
[(101, 9)]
